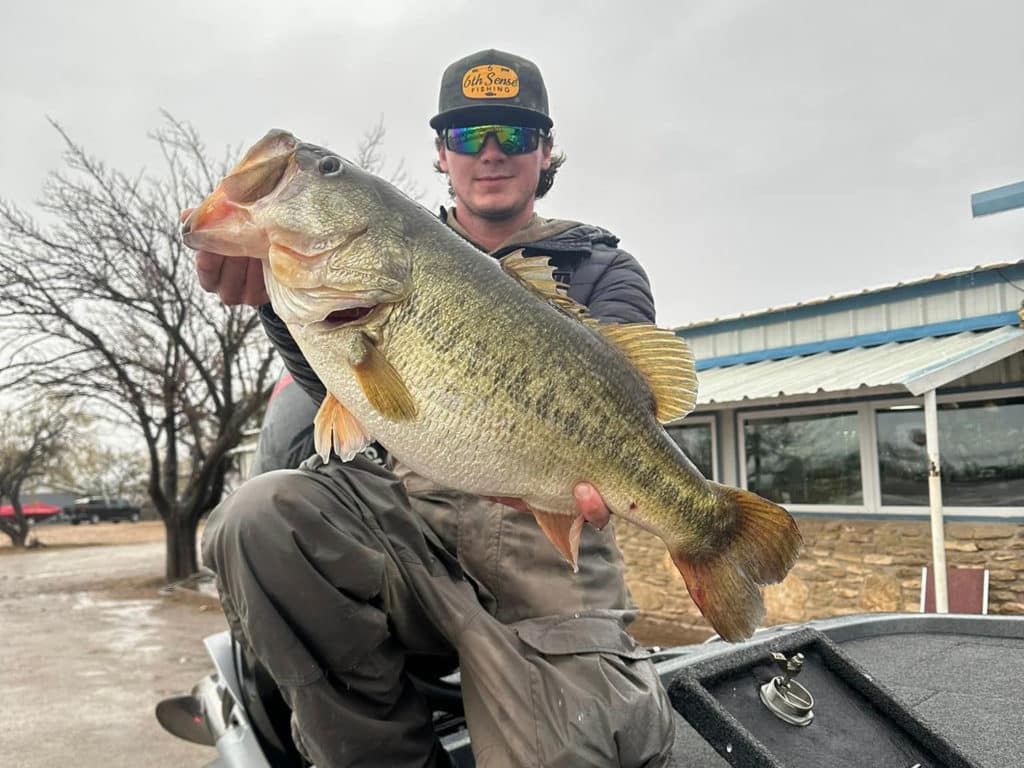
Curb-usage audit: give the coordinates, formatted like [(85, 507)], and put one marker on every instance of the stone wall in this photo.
[(847, 566)]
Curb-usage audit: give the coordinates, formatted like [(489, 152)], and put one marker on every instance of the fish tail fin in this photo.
[(726, 585)]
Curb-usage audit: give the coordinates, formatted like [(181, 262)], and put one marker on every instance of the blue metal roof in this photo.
[(912, 366), (864, 340)]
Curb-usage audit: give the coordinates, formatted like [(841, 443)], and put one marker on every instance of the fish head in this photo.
[(333, 250)]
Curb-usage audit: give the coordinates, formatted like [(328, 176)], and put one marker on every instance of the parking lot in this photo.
[(90, 646)]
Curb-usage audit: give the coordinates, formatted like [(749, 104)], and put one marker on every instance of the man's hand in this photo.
[(591, 505), (235, 280), (588, 503)]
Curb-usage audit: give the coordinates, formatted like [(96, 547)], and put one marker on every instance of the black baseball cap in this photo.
[(492, 87)]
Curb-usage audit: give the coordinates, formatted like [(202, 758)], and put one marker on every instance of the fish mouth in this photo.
[(223, 222)]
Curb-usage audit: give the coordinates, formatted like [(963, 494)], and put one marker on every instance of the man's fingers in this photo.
[(587, 498), (588, 503), (591, 505), (255, 284), (236, 280), (208, 270), (233, 289)]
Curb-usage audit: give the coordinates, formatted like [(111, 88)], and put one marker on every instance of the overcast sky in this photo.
[(749, 154)]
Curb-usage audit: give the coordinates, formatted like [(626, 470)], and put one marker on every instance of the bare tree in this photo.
[(99, 468), (370, 157), (33, 438), (102, 303)]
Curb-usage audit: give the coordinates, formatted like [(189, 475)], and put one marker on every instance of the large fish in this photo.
[(483, 375)]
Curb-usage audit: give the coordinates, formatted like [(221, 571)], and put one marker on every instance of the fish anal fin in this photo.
[(536, 274), (564, 532), (665, 361), (335, 427), (382, 385)]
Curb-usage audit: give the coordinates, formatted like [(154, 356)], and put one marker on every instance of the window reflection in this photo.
[(902, 458), (811, 459), (695, 440), (981, 448)]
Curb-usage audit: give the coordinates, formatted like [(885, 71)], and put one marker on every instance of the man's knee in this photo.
[(264, 510)]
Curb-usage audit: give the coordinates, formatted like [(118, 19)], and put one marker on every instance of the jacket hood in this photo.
[(549, 235)]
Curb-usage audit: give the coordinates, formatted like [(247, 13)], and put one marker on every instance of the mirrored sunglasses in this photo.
[(513, 140)]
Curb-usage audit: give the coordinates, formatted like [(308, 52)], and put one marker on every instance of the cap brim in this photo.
[(507, 114)]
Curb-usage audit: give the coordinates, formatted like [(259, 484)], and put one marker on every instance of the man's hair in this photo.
[(547, 177)]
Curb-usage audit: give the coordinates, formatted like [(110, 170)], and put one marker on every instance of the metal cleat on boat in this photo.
[(786, 698)]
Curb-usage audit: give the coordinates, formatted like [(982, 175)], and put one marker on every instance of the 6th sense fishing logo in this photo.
[(490, 81)]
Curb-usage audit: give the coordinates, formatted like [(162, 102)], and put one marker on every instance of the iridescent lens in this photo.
[(513, 140)]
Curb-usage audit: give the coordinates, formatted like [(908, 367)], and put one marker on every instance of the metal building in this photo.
[(836, 406)]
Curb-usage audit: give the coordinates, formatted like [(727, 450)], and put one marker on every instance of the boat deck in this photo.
[(965, 683)]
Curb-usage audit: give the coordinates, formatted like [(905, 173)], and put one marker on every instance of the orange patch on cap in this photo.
[(490, 81)]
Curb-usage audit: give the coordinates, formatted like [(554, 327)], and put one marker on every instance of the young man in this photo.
[(340, 575)]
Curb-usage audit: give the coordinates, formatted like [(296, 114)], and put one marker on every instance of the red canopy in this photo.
[(32, 508)]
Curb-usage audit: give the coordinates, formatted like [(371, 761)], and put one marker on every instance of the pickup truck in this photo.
[(100, 509)]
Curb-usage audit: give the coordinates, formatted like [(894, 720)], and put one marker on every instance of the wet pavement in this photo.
[(89, 646)]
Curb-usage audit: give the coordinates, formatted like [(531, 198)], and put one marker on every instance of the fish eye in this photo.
[(329, 165)]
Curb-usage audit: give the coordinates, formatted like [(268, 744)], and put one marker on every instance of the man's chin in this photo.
[(495, 211)]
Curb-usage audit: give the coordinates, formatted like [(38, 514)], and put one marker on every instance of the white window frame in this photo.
[(855, 408), (949, 510), (712, 421)]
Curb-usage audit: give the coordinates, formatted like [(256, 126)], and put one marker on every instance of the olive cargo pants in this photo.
[(335, 572)]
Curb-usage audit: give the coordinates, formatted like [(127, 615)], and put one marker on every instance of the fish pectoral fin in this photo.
[(336, 427), (564, 532), (536, 274), (664, 360), (382, 385)]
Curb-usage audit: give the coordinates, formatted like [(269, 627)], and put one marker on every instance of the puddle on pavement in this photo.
[(133, 625)]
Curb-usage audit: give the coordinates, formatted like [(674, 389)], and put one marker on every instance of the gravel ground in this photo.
[(90, 646)]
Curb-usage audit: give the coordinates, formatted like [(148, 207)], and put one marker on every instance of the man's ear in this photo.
[(442, 157), (545, 154)]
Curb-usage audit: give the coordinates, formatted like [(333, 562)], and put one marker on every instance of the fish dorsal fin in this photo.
[(664, 359), (564, 531), (335, 427), (382, 385), (536, 274), (666, 362)]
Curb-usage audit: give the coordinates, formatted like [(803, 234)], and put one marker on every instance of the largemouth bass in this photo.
[(483, 375)]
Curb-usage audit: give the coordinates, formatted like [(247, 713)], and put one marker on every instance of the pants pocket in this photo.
[(597, 699)]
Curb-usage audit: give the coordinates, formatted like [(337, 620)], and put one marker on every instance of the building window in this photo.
[(981, 448), (902, 458), (804, 459), (697, 442)]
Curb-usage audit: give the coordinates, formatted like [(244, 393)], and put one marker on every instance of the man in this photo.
[(340, 575)]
